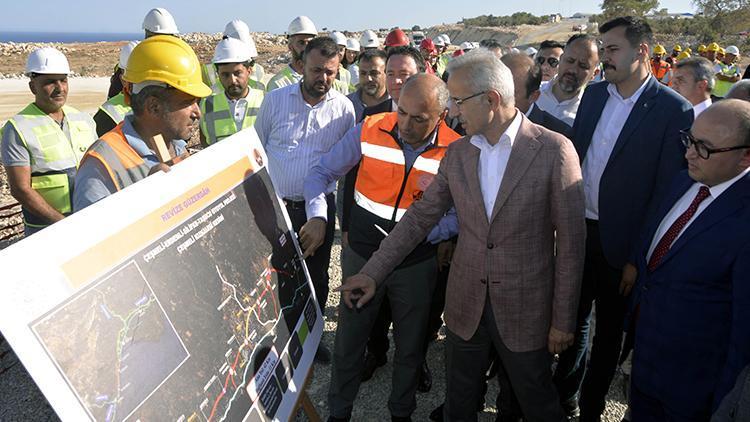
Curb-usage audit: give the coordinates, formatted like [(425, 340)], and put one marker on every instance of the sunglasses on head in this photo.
[(551, 61)]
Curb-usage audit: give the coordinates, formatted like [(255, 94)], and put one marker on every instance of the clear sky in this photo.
[(274, 15)]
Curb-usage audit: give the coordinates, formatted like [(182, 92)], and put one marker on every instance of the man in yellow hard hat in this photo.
[(43, 144), (659, 67), (676, 50), (236, 106), (712, 50), (163, 85), (702, 50)]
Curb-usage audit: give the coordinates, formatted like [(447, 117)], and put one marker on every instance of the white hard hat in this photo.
[(125, 54), (515, 50), (732, 49), (466, 46), (531, 51), (231, 50), (339, 38), (439, 41), (369, 39), (446, 39), (302, 25), (48, 61), (160, 21), (239, 30), (352, 44)]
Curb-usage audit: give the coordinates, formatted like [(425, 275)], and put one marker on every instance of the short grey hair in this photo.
[(701, 68), (485, 72), (740, 89), (138, 101)]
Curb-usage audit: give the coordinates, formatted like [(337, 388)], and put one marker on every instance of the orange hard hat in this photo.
[(458, 53), (396, 38)]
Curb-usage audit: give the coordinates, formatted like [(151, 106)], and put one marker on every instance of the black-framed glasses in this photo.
[(701, 148), (459, 101), (551, 61)]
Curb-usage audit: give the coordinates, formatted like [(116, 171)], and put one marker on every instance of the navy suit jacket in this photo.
[(648, 154), (692, 337)]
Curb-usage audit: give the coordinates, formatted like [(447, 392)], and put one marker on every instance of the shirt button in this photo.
[(483, 281), (490, 245)]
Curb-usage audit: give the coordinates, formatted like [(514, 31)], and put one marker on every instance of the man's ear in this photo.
[(153, 106), (32, 87)]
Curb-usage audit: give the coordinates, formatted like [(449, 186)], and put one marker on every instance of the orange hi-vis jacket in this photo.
[(385, 188), (660, 70), (122, 162)]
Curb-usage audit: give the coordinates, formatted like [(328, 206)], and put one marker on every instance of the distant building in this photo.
[(555, 18)]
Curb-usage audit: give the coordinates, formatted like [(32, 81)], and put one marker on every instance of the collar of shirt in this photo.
[(394, 106), (700, 107), (528, 112), (547, 89), (717, 190), (421, 148), (139, 145), (612, 89), (506, 139)]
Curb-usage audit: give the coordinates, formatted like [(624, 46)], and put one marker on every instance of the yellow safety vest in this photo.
[(217, 121), (53, 157), (116, 108)]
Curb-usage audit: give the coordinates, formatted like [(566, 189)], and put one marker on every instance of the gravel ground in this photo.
[(21, 400)]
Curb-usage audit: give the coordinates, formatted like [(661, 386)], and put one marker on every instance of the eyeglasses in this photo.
[(459, 101), (701, 149), (551, 61)]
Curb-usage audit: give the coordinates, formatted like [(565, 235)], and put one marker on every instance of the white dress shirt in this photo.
[(296, 134), (611, 122), (237, 108), (700, 107), (564, 110), (683, 204), (493, 159)]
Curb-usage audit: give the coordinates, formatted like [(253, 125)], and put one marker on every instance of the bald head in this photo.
[(429, 88), (527, 77), (723, 128), (422, 106), (740, 90)]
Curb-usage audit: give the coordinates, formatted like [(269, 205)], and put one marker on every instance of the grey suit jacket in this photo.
[(528, 258)]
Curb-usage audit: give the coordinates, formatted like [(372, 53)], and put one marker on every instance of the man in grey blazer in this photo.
[(516, 272)]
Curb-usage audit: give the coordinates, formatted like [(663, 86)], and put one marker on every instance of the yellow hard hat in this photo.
[(683, 55), (689, 50), (713, 47), (677, 47), (167, 59), (722, 51), (659, 49), (701, 48)]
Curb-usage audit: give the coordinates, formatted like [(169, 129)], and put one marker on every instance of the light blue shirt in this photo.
[(343, 157), (93, 182), (296, 134)]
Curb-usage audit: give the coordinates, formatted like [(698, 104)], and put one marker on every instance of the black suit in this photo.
[(548, 121)]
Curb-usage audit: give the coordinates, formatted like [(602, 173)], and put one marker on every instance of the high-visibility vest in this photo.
[(53, 156), (217, 121), (116, 108), (721, 88), (661, 71), (382, 187), (442, 64), (287, 76), (123, 164)]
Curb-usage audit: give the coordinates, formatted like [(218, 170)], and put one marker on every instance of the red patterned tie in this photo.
[(669, 237)]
